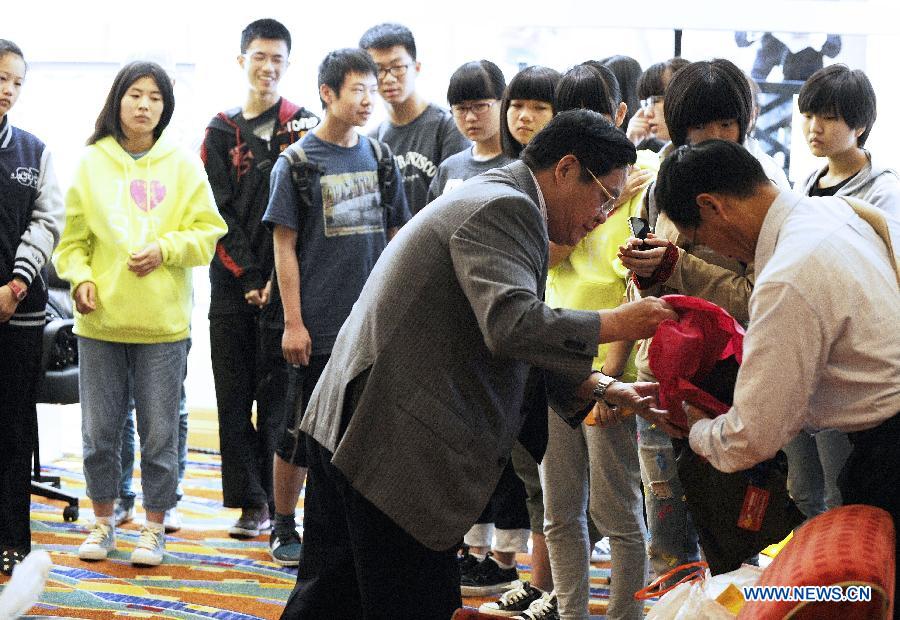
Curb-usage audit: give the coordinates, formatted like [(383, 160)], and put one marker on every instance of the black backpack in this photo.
[(304, 174)]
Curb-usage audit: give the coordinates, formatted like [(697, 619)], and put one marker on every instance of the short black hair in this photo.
[(627, 71), (384, 36), (479, 79), (8, 47), (842, 92), (109, 121), (588, 86), (336, 65), (654, 80), (713, 166), (534, 82), (265, 29), (705, 91), (597, 145)]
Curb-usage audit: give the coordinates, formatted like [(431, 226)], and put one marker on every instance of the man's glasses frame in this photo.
[(607, 207)]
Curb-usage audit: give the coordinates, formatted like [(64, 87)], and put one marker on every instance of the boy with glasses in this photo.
[(420, 134)]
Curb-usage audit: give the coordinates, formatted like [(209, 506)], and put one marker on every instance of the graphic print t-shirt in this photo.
[(342, 235)]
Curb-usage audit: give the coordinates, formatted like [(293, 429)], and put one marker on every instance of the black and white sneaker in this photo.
[(512, 602), (487, 578), (545, 608)]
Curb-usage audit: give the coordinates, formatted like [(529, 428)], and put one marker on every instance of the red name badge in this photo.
[(753, 511)]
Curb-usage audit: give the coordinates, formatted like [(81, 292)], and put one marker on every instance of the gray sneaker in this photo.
[(99, 542), (252, 522), (150, 547)]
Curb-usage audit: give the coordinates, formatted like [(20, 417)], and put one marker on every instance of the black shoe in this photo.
[(488, 578), (9, 559), (545, 608), (285, 547), (512, 602), (467, 561), (252, 522)]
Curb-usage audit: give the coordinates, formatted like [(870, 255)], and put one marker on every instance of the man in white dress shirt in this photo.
[(822, 348)]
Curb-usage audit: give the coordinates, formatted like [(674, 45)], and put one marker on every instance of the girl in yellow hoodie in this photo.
[(139, 215)]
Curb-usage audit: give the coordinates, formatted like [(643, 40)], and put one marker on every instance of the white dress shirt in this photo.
[(822, 348)]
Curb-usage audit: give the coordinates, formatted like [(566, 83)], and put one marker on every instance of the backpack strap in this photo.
[(303, 172), (386, 168), (871, 216)]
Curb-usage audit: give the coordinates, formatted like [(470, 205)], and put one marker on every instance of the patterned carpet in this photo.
[(206, 574)]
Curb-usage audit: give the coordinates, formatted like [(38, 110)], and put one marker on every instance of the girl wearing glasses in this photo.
[(474, 95)]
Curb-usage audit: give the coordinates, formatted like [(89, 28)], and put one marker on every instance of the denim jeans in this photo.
[(126, 493), (595, 469), (814, 462), (673, 539), (157, 371)]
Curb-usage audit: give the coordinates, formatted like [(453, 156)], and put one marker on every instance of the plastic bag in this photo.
[(699, 600)]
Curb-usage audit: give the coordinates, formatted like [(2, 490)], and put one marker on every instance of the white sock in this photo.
[(502, 565)]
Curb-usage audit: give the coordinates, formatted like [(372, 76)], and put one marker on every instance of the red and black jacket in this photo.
[(238, 165)]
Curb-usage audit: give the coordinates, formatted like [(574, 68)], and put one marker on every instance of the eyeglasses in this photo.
[(395, 70), (259, 58), (650, 101), (607, 207), (478, 108)]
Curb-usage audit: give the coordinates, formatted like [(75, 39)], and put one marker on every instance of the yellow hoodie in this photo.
[(117, 206), (592, 277)]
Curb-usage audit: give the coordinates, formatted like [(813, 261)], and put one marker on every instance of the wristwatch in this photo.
[(17, 289), (603, 384)]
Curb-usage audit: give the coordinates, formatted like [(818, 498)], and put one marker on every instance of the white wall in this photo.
[(75, 49)]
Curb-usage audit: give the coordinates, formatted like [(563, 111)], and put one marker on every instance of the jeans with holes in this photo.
[(157, 371), (673, 539)]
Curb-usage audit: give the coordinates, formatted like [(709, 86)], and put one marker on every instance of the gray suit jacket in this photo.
[(447, 326)]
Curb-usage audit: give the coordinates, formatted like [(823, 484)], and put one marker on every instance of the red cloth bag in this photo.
[(683, 353)]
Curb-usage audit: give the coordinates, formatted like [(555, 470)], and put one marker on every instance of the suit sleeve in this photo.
[(499, 256), (233, 251)]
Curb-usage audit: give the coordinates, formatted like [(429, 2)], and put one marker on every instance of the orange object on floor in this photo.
[(847, 546)]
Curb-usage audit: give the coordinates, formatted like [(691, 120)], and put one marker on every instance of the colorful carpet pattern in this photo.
[(205, 574)]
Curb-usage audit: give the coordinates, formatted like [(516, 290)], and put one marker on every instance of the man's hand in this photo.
[(296, 345), (633, 398), (635, 320), (146, 260), (693, 415), (634, 185), (86, 297), (643, 262), (8, 303)]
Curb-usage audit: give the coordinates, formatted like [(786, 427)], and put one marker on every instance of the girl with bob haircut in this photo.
[(527, 106), (838, 108), (591, 473), (474, 95), (32, 208), (139, 216)]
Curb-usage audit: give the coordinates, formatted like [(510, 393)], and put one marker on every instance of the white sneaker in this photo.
[(601, 552), (545, 608), (150, 546), (172, 521), (99, 542)]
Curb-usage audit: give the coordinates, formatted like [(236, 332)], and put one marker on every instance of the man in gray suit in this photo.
[(412, 421)]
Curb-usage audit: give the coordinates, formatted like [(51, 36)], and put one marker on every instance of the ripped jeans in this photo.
[(673, 540)]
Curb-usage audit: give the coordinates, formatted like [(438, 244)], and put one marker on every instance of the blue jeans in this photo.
[(814, 462), (157, 371), (673, 539), (126, 493)]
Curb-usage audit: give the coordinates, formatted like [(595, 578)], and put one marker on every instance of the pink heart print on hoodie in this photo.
[(147, 201)]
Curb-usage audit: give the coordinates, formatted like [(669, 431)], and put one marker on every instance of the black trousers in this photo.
[(239, 367), (871, 476), (20, 361), (356, 562)]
